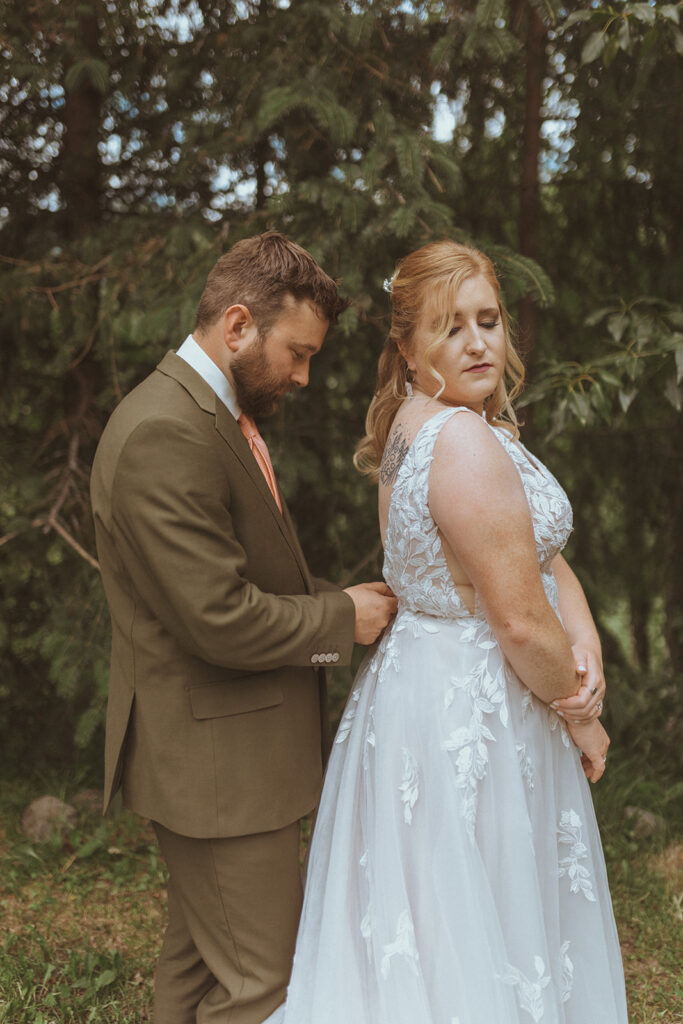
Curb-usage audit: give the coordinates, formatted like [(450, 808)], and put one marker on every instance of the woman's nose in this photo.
[(475, 341)]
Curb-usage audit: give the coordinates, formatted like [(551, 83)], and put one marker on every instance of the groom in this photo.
[(216, 713)]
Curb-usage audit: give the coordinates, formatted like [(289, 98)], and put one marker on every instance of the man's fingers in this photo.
[(380, 587)]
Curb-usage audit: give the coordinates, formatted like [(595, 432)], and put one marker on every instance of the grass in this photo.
[(83, 917)]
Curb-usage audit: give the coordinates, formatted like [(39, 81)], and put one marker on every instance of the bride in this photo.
[(456, 874)]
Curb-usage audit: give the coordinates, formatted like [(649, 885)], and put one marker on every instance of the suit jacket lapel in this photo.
[(226, 425)]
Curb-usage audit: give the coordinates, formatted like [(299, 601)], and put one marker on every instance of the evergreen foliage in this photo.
[(142, 138)]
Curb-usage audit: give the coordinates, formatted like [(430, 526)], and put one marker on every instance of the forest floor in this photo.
[(83, 917)]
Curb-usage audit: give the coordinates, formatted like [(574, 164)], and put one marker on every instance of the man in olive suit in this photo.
[(216, 713)]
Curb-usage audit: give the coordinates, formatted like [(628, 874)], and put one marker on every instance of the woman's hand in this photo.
[(593, 742), (587, 704)]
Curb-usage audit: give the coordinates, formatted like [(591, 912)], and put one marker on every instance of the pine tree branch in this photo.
[(54, 524), (370, 557)]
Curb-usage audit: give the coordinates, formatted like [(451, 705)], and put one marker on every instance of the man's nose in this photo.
[(300, 376)]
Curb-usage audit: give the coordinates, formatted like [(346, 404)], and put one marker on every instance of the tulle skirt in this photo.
[(456, 874)]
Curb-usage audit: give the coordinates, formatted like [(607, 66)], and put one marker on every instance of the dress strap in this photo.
[(416, 465)]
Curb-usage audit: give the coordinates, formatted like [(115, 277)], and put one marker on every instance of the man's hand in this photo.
[(375, 604)]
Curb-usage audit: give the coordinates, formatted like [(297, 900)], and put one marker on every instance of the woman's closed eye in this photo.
[(489, 325)]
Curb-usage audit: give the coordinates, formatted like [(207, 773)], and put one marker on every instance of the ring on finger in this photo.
[(594, 690), (599, 706)]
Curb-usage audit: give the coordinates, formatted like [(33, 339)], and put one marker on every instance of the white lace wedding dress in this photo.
[(456, 874)]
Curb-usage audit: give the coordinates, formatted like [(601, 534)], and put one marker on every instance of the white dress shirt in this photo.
[(195, 356)]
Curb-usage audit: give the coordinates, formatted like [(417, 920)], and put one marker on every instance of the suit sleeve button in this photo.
[(335, 656), (314, 659), (328, 658)]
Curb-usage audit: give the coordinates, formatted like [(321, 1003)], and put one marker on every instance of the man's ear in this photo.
[(238, 327)]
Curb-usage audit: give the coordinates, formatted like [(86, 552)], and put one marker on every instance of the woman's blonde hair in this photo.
[(432, 274)]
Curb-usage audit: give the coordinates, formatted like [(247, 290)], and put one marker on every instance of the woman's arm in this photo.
[(586, 648), (478, 502)]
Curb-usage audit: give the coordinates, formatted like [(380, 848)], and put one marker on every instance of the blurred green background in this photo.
[(139, 140)]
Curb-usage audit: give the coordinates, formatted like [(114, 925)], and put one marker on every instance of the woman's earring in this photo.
[(409, 386)]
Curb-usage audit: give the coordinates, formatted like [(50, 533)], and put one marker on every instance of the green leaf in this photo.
[(678, 355), (609, 378), (402, 220), (634, 367), (89, 69), (616, 325), (445, 168), (442, 50), (548, 9), (674, 393), (575, 18), (361, 27), (670, 12), (558, 419), (643, 12), (644, 331), (487, 11), (104, 979), (624, 35), (410, 156), (626, 397), (600, 402), (611, 50), (337, 121), (528, 277), (593, 47), (87, 849), (598, 315), (581, 405)]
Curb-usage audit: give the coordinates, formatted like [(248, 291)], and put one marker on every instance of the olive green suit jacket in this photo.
[(216, 711)]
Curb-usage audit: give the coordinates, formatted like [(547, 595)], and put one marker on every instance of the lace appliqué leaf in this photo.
[(529, 992), (403, 945), (555, 723), (348, 716), (410, 785), (527, 703), (526, 765), (468, 742), (570, 831), (566, 969)]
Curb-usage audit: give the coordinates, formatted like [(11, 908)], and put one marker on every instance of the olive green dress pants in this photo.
[(233, 912)]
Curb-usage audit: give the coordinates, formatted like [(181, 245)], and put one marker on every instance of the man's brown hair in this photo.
[(259, 273)]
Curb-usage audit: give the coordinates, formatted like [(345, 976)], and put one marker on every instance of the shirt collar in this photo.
[(196, 357)]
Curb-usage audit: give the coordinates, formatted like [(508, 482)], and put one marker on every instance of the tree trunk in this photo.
[(81, 188), (528, 205), (80, 158), (673, 575)]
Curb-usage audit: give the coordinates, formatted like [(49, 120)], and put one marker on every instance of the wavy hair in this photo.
[(430, 277)]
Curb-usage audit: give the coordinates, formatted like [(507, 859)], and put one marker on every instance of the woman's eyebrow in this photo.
[(489, 311)]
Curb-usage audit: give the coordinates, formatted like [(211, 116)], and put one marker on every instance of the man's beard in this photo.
[(257, 389)]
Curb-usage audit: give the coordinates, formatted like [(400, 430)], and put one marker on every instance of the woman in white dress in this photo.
[(456, 874)]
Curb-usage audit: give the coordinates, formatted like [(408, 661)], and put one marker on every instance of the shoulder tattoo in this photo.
[(394, 454)]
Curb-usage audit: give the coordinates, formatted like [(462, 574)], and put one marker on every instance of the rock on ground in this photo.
[(46, 815), (644, 823)]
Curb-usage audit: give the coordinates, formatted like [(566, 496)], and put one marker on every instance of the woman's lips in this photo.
[(480, 368)]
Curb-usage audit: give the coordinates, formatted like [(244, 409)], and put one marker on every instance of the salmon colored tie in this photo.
[(259, 450)]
